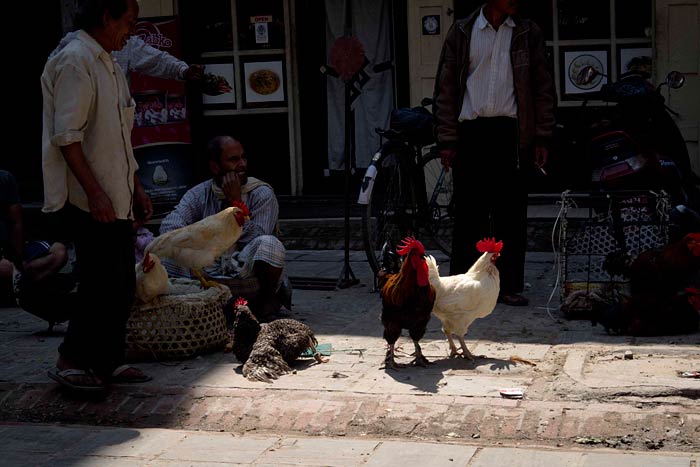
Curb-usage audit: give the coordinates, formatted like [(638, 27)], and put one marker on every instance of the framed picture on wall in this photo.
[(228, 99), (634, 58), (573, 60), (263, 82)]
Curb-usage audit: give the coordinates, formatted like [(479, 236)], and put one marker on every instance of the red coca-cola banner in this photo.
[(161, 107), (161, 134)]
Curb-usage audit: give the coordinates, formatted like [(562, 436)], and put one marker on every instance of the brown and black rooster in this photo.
[(663, 290), (267, 349), (407, 300)]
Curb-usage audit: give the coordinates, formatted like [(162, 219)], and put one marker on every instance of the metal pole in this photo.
[(347, 277)]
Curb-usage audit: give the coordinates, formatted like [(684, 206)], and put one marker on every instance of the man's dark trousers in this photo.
[(490, 197), (105, 262)]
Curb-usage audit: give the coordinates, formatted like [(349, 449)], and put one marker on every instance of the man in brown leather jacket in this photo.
[(494, 103)]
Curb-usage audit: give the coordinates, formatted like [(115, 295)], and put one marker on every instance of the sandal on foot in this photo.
[(121, 375), (62, 378)]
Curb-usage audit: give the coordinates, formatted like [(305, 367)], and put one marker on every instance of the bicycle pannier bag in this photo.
[(415, 123)]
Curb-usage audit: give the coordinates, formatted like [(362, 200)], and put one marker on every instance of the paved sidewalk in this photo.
[(582, 393), (62, 446)]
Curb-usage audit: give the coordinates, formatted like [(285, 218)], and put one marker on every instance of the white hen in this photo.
[(151, 279), (198, 245), (463, 298)]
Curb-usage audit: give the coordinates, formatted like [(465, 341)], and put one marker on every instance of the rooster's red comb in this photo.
[(489, 245), (242, 206), (240, 301), (692, 291), (409, 244), (148, 263)]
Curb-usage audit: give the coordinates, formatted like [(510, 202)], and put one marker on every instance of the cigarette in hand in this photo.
[(543, 172)]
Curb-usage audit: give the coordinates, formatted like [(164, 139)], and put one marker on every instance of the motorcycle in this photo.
[(636, 145)]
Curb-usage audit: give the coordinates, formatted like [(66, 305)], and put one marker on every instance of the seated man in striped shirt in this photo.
[(258, 254)]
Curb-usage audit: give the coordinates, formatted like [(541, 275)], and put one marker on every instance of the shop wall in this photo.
[(151, 8)]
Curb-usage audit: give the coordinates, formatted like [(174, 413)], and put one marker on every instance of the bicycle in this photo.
[(406, 191)]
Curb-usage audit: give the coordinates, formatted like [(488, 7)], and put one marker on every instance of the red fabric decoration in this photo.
[(347, 56), (409, 244), (489, 245)]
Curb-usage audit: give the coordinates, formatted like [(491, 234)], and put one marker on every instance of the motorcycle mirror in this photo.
[(586, 75), (675, 79)]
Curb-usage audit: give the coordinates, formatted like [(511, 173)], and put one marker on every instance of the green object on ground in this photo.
[(324, 349)]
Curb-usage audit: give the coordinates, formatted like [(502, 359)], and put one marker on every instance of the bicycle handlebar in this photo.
[(390, 133)]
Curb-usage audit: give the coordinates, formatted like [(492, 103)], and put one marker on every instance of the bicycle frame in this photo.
[(404, 206)]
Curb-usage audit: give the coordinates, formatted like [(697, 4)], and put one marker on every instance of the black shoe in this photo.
[(513, 299)]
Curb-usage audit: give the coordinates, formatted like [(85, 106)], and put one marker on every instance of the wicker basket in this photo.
[(187, 322)]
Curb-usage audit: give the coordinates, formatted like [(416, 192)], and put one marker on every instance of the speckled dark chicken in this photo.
[(266, 350)]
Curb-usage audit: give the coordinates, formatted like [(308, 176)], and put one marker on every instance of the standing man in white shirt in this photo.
[(494, 110), (90, 177)]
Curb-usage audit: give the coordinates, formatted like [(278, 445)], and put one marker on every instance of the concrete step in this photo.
[(317, 223), (328, 233)]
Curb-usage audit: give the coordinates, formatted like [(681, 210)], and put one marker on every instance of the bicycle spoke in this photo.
[(391, 215), (439, 218), (395, 210)]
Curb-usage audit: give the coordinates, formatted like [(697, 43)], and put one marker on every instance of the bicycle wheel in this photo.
[(438, 185), (390, 214)]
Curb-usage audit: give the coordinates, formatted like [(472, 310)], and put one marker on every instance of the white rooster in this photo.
[(198, 245), (151, 279), (463, 298)]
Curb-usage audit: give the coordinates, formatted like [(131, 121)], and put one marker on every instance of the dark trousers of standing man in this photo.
[(490, 197), (105, 262)]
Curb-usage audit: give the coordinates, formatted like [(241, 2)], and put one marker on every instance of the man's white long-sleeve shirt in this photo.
[(87, 100), (139, 56)]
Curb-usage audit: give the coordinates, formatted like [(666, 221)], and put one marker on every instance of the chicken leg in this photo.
[(389, 362), (453, 348), (465, 351), (205, 282), (420, 359), (317, 354)]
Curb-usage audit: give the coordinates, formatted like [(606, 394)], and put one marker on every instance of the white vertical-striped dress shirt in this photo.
[(490, 91)]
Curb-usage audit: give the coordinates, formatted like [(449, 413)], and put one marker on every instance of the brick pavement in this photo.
[(51, 445), (579, 387)]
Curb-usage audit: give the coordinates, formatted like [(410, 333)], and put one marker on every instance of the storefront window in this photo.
[(244, 42), (584, 20), (613, 36), (215, 29), (260, 24), (633, 18)]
